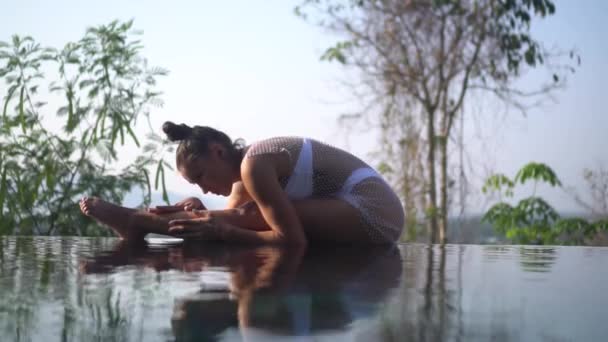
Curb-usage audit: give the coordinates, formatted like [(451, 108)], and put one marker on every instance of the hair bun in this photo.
[(177, 132)]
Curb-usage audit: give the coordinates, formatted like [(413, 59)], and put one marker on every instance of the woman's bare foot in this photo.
[(118, 218)]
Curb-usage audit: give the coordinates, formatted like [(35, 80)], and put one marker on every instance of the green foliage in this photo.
[(533, 220), (104, 86), (537, 172), (509, 26), (337, 52), (384, 168), (601, 225), (512, 24), (498, 182)]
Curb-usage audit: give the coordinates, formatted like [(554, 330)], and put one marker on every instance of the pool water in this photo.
[(101, 289)]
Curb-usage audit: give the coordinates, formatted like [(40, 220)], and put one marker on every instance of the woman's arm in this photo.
[(238, 196), (273, 207), (259, 175), (246, 216)]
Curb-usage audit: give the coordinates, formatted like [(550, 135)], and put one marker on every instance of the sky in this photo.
[(252, 69)]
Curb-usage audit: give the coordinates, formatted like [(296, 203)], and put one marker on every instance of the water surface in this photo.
[(83, 289)]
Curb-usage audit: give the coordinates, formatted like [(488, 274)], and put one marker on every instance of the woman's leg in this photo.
[(323, 219), (129, 223), (332, 220), (377, 218)]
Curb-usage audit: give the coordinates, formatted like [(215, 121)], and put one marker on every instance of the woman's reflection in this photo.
[(272, 291)]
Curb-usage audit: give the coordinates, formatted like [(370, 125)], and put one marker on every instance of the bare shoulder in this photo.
[(278, 164), (259, 165), (259, 175)]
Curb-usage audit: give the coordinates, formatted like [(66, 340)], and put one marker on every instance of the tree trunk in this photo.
[(432, 209), (443, 221)]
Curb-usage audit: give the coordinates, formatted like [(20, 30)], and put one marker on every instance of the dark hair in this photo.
[(194, 142)]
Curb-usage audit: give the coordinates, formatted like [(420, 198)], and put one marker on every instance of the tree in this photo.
[(533, 220), (104, 87), (430, 55), (596, 203)]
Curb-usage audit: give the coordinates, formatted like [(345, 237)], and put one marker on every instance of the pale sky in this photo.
[(252, 69)]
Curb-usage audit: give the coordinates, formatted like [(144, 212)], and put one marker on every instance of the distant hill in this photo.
[(470, 230)]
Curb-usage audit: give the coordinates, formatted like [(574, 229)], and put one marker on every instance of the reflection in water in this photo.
[(74, 289), (537, 259), (531, 258), (270, 290)]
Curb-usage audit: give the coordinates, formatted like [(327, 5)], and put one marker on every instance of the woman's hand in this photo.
[(188, 204), (203, 227)]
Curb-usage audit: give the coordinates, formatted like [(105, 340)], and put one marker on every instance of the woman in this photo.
[(281, 190)]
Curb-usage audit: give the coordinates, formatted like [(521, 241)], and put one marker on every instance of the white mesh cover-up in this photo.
[(320, 170)]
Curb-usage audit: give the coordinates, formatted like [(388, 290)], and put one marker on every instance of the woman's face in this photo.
[(212, 173)]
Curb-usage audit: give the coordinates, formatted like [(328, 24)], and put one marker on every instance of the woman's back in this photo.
[(329, 167)]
